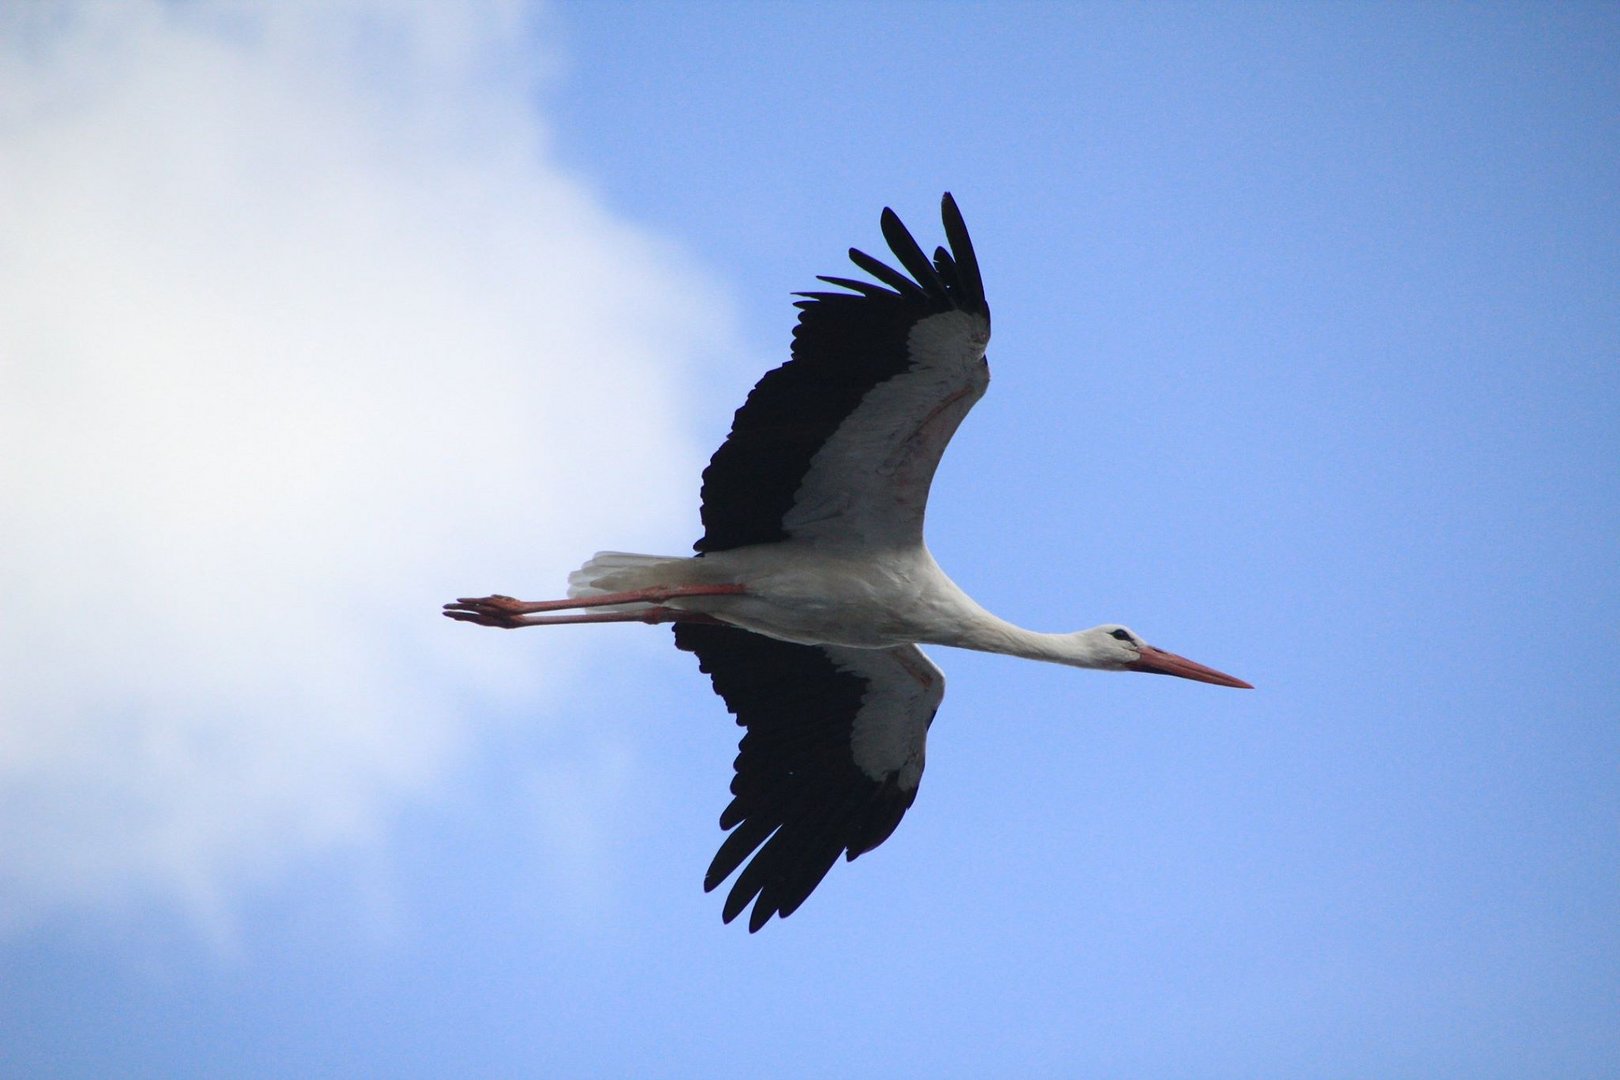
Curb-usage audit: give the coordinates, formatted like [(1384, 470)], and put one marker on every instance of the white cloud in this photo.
[(301, 333)]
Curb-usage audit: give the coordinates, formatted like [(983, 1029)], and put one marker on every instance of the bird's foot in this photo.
[(502, 611)]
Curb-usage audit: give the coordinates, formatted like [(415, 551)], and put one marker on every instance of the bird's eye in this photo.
[(1120, 635)]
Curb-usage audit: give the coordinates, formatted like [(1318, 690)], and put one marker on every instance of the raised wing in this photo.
[(829, 764), (840, 443)]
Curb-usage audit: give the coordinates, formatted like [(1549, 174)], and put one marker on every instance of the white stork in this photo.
[(812, 587)]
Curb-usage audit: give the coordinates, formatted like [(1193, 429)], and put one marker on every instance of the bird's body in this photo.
[(812, 586), (800, 593)]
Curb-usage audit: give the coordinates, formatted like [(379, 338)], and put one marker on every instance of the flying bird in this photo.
[(812, 589)]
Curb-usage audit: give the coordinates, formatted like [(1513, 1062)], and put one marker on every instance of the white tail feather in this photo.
[(623, 571)]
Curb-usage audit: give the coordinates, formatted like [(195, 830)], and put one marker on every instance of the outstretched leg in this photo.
[(506, 612), (506, 621)]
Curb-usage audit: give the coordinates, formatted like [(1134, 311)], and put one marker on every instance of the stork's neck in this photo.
[(949, 616), (984, 632)]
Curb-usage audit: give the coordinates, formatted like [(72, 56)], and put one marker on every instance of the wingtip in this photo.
[(961, 245), (910, 254), (951, 214)]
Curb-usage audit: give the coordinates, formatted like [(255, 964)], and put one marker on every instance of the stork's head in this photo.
[(1116, 648)]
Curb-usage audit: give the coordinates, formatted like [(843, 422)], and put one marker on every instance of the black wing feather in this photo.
[(902, 285), (911, 256), (865, 288), (967, 263), (844, 345), (799, 800)]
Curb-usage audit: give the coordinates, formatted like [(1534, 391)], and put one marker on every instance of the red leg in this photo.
[(658, 594), (651, 615)]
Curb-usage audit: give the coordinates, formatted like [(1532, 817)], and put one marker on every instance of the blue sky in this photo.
[(1307, 366)]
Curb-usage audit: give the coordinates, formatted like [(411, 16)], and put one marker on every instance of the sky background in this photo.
[(1307, 366)]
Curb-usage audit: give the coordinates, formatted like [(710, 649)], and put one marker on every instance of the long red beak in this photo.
[(1159, 662)]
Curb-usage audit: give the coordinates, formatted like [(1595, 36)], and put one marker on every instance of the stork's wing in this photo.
[(841, 442), (829, 764)]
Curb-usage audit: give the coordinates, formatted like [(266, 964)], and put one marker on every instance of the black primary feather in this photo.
[(799, 801), (844, 345)]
